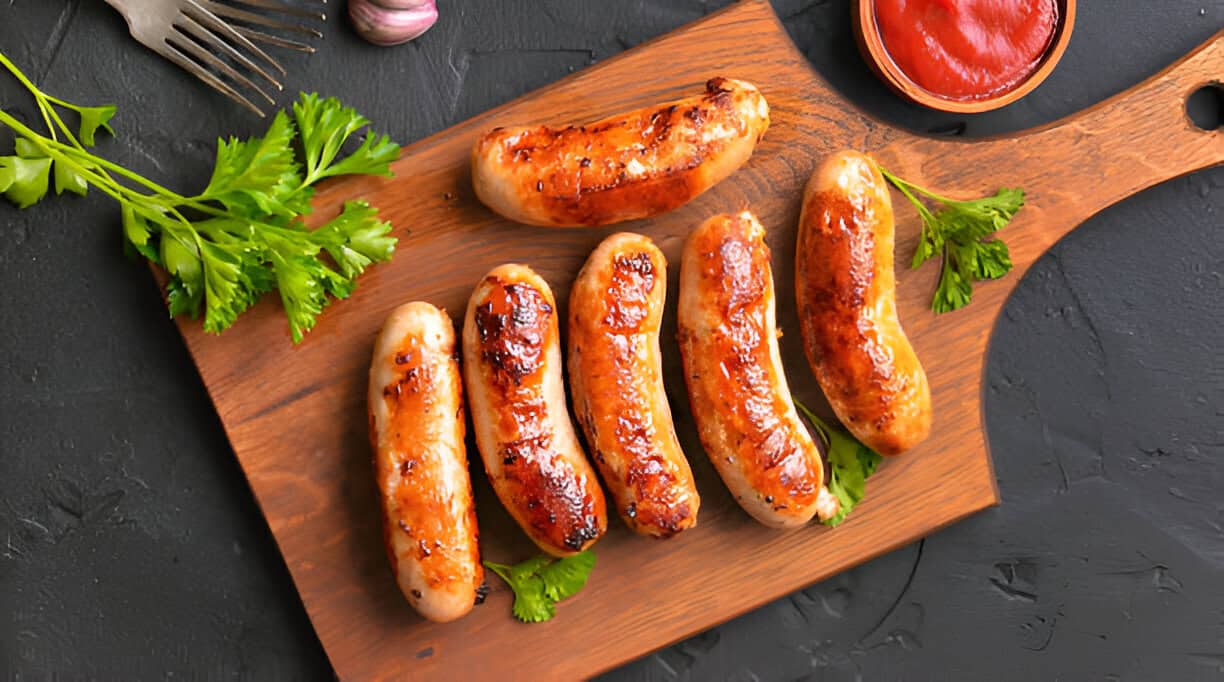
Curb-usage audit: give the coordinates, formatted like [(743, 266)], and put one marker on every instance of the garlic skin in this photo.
[(391, 22)]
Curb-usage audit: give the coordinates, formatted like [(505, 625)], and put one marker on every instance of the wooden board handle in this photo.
[(1127, 143)]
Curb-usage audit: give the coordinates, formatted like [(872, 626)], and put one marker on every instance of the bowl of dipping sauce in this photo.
[(963, 56)]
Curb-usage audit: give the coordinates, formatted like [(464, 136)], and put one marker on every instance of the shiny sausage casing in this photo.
[(628, 166), (420, 463), (845, 289), (516, 390), (733, 368), (616, 374)]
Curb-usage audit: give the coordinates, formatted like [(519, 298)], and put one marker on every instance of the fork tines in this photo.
[(213, 41), (238, 11)]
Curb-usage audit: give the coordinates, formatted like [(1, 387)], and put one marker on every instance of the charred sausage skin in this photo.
[(628, 166), (733, 369), (514, 376), (845, 289), (616, 373)]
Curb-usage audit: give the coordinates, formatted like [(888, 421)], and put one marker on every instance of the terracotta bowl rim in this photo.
[(871, 44)]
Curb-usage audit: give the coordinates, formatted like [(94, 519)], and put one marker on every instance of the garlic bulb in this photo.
[(391, 22)]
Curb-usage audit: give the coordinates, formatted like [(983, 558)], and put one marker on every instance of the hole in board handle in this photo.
[(1205, 106)]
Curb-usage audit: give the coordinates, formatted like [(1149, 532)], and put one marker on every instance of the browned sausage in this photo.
[(616, 373), (416, 427), (515, 385), (846, 292), (632, 165), (733, 368)]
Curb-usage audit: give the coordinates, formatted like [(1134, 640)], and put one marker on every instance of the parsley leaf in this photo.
[(66, 179), (69, 180), (7, 175), (257, 176), (304, 282), (960, 232), (540, 582), (566, 577), (850, 464), (241, 237), (233, 280), (29, 179), (531, 605), (26, 149), (93, 118), (326, 125), (356, 238), (955, 288)]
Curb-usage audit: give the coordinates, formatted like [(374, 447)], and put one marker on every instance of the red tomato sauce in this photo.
[(966, 49)]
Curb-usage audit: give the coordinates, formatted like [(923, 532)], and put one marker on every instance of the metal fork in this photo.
[(191, 33), (231, 11)]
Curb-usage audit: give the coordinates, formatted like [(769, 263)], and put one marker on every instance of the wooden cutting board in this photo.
[(296, 414)]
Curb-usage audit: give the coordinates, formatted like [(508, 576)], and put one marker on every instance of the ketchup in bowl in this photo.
[(966, 49)]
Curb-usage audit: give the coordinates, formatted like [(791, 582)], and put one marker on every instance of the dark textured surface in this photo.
[(130, 546)]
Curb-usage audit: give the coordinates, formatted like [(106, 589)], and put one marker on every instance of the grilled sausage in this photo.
[(514, 376), (733, 368), (846, 292), (616, 374), (628, 166), (416, 428)]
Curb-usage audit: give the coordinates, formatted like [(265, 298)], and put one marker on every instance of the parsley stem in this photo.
[(76, 144), (39, 98), (43, 107), (822, 429), (62, 153), (170, 199), (903, 184), (44, 102), (131, 175), (905, 188), (64, 127), (62, 103), (18, 74), (111, 188)]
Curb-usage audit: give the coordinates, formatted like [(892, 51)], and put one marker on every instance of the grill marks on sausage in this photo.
[(646, 160), (556, 507), (650, 476), (836, 279), (623, 435), (411, 472), (628, 295), (409, 396), (736, 267), (515, 323)]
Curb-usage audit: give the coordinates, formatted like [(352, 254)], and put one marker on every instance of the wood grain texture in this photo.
[(296, 415)]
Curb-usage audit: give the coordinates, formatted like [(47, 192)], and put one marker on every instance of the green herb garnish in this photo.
[(850, 462), (242, 236), (540, 582), (960, 233)]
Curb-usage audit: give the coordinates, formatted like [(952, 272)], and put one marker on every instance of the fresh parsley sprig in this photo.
[(540, 582), (242, 236), (850, 462), (960, 234)]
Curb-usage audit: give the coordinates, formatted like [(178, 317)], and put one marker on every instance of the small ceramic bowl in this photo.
[(867, 33)]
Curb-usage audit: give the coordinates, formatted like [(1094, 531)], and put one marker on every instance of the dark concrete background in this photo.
[(131, 548)]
